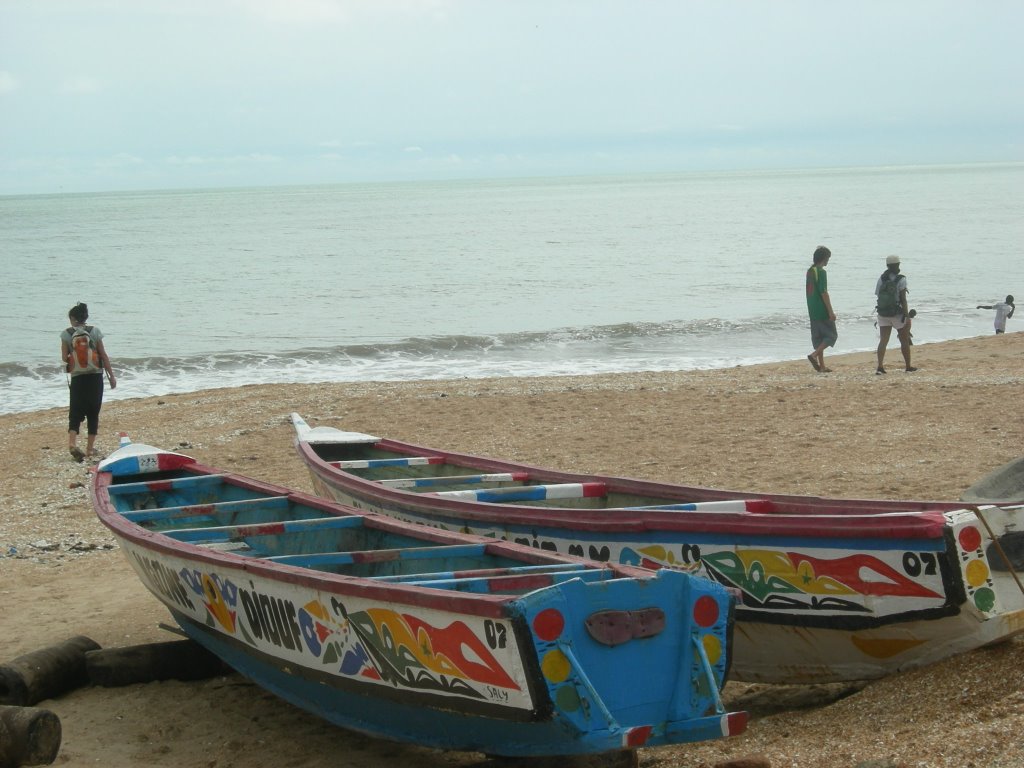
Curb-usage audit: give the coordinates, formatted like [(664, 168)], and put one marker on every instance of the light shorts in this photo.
[(897, 322), (823, 331)]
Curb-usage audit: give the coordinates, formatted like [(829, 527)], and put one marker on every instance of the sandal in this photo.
[(76, 453), (814, 363), (910, 369), (879, 371)]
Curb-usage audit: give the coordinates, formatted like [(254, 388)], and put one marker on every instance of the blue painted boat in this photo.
[(830, 589), (415, 634)]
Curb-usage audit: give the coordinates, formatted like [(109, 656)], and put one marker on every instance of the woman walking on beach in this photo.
[(819, 309), (85, 359)]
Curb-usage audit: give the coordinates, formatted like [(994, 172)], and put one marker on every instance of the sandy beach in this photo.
[(779, 428)]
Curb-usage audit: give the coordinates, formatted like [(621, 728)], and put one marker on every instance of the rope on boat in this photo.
[(584, 681), (709, 673)]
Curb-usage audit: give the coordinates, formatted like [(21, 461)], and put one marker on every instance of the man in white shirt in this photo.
[(1004, 311)]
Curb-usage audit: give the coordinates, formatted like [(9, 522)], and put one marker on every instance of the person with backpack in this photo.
[(1004, 311), (85, 359), (819, 309), (891, 292)]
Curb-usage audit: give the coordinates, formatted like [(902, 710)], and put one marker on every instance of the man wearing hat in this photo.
[(891, 290)]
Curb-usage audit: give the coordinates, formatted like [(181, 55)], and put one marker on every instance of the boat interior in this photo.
[(438, 476), (211, 511)]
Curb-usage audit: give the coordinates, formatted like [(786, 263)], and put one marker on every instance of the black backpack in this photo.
[(889, 295)]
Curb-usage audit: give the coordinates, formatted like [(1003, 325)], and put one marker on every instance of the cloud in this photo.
[(120, 160), (296, 11), (8, 82), (333, 11), (80, 84), (338, 145), (451, 160), (420, 88), (249, 159)]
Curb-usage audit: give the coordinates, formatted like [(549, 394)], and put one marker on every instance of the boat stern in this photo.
[(989, 549), (644, 674)]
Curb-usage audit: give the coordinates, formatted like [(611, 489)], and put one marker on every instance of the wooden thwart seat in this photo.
[(220, 533), (726, 505), (510, 581), (529, 493), (485, 572), (268, 503), (429, 482), (177, 483), (379, 555), (407, 461), (481, 580)]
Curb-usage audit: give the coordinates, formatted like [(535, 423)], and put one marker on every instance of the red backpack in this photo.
[(83, 357)]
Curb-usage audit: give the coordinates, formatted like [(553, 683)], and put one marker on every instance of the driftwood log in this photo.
[(45, 673), (28, 736), (172, 660)]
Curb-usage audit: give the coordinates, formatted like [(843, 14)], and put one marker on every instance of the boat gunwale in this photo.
[(894, 520)]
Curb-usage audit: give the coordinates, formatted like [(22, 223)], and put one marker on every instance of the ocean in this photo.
[(526, 277)]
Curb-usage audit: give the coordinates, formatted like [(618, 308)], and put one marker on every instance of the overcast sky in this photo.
[(153, 94)]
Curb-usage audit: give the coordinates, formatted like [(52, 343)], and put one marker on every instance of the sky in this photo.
[(104, 95)]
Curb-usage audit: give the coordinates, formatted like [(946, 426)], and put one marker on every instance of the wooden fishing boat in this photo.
[(416, 634), (831, 589)]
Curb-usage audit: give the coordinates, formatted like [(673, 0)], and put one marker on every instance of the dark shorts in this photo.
[(823, 332)]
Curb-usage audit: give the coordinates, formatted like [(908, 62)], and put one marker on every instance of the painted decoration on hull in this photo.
[(979, 585), (348, 639), (809, 584), (790, 580)]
